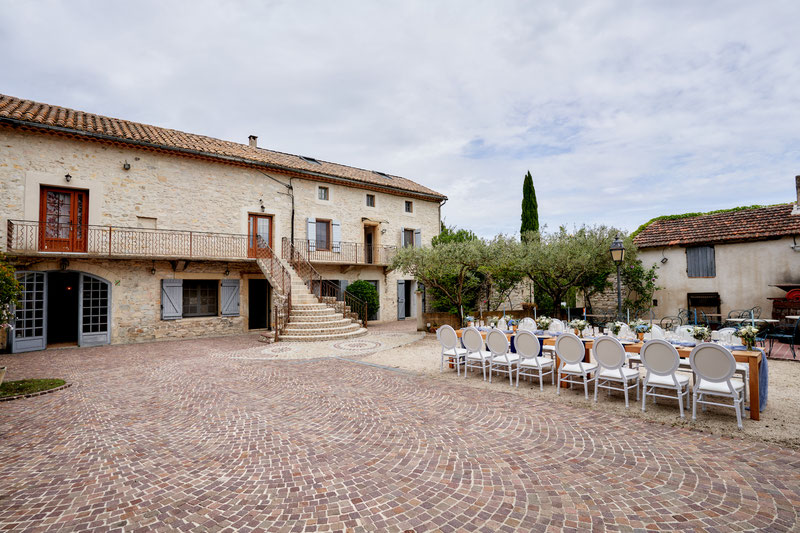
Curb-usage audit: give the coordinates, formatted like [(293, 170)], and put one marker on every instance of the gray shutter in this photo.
[(700, 262), (171, 299), (336, 236), (402, 237), (311, 234), (417, 238), (230, 297), (343, 283), (401, 299)]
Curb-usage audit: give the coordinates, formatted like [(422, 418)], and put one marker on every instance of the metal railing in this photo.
[(320, 287), (26, 236), (280, 279), (352, 253)]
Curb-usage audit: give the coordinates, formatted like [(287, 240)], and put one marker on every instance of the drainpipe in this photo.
[(291, 193)]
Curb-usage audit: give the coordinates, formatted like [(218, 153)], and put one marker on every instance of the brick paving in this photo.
[(185, 435)]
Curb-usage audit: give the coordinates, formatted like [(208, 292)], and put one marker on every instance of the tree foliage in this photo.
[(503, 270), (366, 291), (10, 292), (530, 208)]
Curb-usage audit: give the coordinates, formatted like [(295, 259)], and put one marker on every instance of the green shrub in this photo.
[(365, 291)]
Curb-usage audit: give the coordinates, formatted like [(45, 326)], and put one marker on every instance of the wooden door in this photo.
[(63, 216), (259, 235)]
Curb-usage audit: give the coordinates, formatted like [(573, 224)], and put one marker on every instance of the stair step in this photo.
[(308, 338), (313, 315), (316, 332), (319, 322)]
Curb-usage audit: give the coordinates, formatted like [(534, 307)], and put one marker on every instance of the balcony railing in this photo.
[(34, 237), (340, 252)]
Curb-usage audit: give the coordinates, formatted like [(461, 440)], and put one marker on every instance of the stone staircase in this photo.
[(311, 320)]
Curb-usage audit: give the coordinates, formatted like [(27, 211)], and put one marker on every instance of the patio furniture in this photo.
[(502, 360), (571, 352), (669, 323), (661, 360), (714, 366), (612, 374), (447, 337), (476, 356), (527, 323), (790, 335), (531, 364)]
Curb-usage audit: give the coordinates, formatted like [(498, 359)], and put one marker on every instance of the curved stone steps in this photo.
[(341, 336)]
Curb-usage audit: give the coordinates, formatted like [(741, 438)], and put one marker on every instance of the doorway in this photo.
[(258, 298), (259, 231), (62, 308), (369, 244)]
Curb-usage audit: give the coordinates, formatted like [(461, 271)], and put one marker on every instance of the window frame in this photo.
[(326, 190), (368, 198), (202, 309), (409, 206)]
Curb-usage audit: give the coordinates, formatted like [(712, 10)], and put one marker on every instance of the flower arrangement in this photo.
[(469, 319), (748, 335), (493, 321), (543, 322), (512, 322), (701, 333), (578, 323), (640, 326), (615, 327)]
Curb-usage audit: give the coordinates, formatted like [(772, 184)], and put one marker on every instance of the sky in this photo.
[(622, 111)]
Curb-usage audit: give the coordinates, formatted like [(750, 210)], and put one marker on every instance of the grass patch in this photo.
[(28, 386)]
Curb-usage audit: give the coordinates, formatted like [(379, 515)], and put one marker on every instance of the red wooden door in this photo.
[(63, 215), (259, 232)]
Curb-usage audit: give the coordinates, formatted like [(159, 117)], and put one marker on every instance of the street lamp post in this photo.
[(618, 255)]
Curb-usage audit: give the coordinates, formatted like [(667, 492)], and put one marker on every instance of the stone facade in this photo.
[(173, 192)]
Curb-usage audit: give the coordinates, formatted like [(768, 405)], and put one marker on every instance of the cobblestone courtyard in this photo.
[(201, 434)]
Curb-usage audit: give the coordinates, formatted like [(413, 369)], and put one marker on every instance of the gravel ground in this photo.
[(779, 424)]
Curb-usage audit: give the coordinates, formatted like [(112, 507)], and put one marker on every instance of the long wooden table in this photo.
[(751, 357)]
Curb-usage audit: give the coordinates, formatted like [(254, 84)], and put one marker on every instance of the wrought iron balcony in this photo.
[(25, 237), (344, 253)]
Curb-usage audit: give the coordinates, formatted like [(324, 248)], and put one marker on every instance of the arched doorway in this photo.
[(61, 307)]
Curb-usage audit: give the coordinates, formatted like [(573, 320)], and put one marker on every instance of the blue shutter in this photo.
[(336, 236), (171, 299), (311, 234), (230, 297), (401, 299), (417, 238)]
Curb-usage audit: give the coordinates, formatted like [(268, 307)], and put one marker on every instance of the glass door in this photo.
[(63, 214), (30, 320), (259, 231)]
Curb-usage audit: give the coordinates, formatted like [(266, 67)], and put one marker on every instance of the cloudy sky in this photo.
[(621, 110)]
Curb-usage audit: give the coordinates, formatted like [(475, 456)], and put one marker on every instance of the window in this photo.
[(309, 159), (323, 234), (700, 262), (200, 297), (408, 238), (370, 200), (382, 174), (409, 206), (322, 193)]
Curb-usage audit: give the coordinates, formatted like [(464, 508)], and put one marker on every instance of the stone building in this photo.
[(720, 262), (125, 232)]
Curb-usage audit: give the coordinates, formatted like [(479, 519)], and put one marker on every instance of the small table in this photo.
[(792, 317)]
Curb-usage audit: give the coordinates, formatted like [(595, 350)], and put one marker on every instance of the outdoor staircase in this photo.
[(311, 320)]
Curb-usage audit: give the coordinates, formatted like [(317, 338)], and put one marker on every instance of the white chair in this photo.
[(501, 324), (531, 364), (556, 326), (447, 337), (527, 324), (714, 366), (743, 369), (476, 356), (502, 360), (570, 350), (612, 373), (661, 360)]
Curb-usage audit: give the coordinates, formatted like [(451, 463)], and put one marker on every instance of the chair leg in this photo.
[(510, 377), (491, 367), (517, 376), (680, 401), (595, 392), (625, 387), (694, 405), (737, 404), (637, 389), (483, 368), (644, 397), (558, 384), (541, 380), (586, 386)]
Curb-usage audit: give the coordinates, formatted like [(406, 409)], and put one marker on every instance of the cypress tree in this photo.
[(530, 207)]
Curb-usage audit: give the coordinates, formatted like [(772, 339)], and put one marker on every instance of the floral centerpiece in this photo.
[(578, 325), (640, 326), (512, 322), (748, 335), (543, 322), (493, 321), (470, 320), (701, 333), (615, 327)]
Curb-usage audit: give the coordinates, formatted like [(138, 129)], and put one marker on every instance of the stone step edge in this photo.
[(298, 338)]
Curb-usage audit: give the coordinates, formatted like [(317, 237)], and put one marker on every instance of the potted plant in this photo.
[(748, 335), (701, 333)]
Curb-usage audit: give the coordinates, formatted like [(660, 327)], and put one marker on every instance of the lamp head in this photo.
[(617, 250)]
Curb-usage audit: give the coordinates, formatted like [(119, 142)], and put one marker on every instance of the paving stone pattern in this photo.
[(171, 435)]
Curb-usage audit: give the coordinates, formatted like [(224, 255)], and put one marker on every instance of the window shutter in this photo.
[(417, 238), (700, 262), (336, 236), (311, 234), (230, 297), (401, 299), (171, 299), (402, 237)]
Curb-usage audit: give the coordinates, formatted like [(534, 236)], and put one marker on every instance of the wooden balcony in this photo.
[(344, 253), (36, 238)]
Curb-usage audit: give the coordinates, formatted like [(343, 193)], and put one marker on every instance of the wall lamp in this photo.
[(153, 270), (126, 165), (67, 177)]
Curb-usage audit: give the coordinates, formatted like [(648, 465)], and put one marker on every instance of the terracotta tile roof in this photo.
[(35, 114), (755, 224)]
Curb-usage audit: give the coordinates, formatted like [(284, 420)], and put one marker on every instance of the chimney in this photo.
[(796, 210), (254, 144)]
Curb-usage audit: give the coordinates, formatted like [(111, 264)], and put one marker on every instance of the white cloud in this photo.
[(621, 110)]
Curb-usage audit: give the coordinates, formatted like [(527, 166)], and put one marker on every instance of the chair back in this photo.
[(569, 348), (609, 352), (712, 362), (497, 342), (527, 323), (527, 344), (501, 324), (447, 337), (556, 326), (724, 331), (625, 331), (660, 357), (656, 332), (472, 339)]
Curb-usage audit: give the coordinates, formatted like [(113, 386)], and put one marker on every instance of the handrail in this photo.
[(321, 287), (280, 279), (358, 253)]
